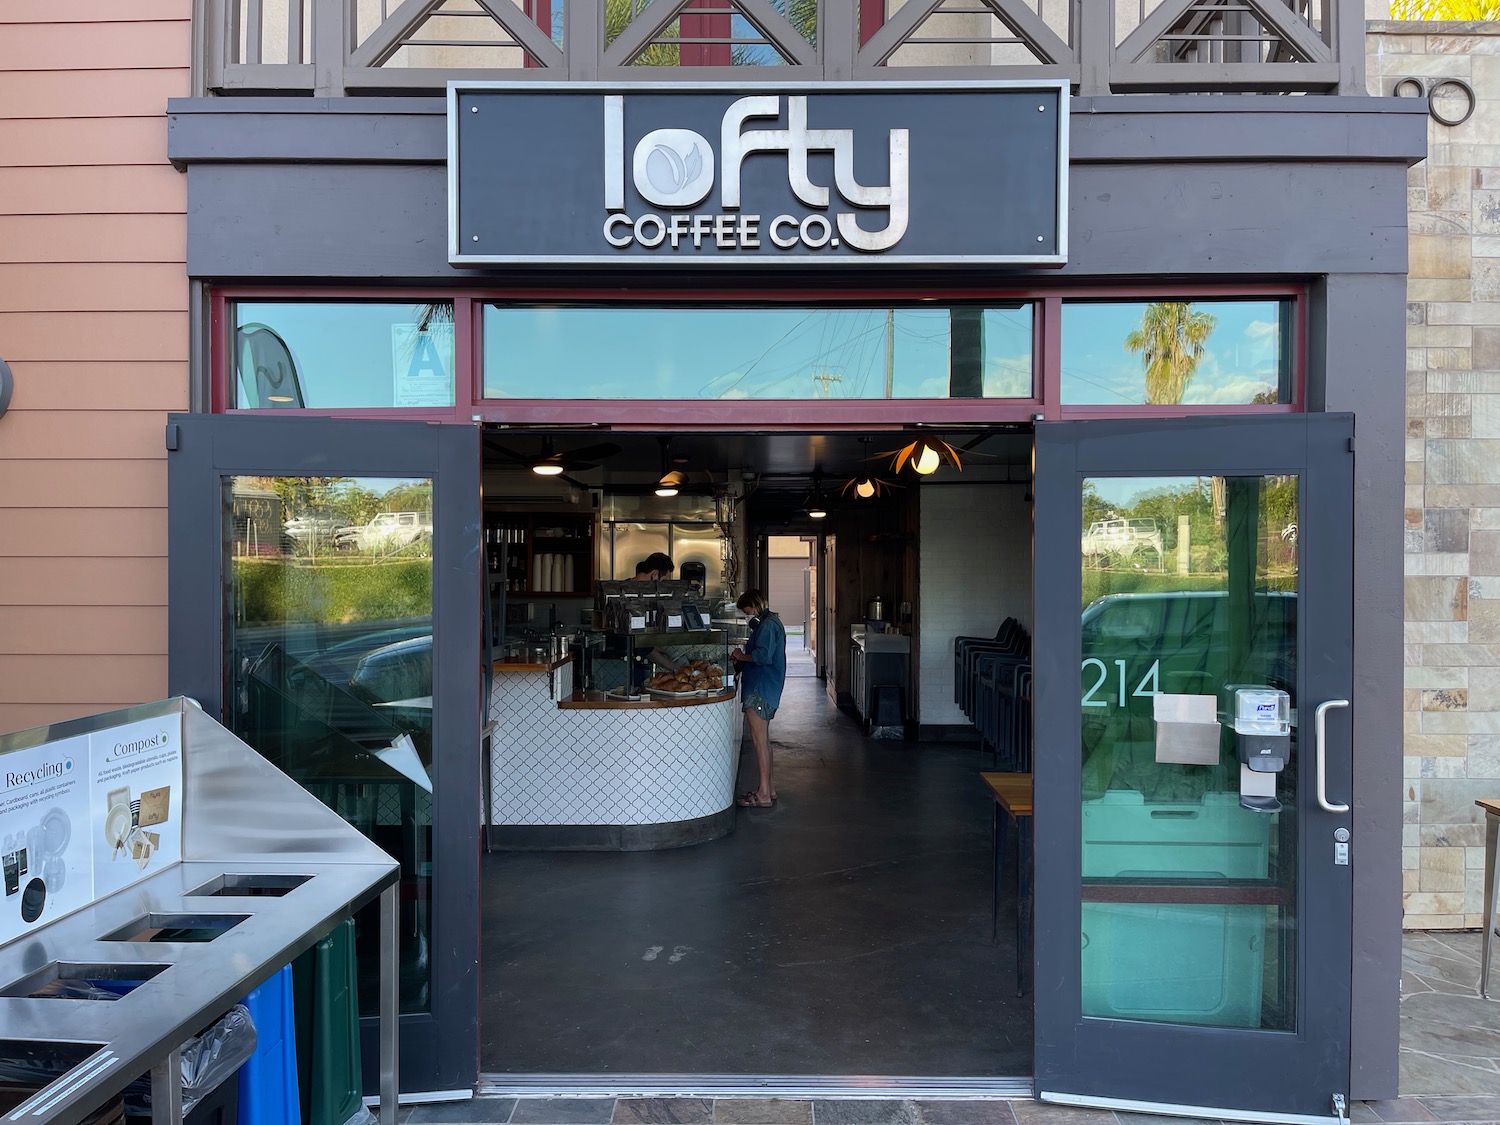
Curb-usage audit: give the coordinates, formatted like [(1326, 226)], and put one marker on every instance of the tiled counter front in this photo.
[(569, 768)]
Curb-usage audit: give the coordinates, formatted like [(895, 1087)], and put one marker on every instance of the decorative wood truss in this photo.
[(335, 47)]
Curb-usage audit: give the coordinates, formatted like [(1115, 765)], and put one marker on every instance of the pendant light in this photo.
[(816, 510), (866, 485), (671, 480), (925, 456)]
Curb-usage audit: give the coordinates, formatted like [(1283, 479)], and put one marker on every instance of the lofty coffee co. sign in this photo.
[(560, 174)]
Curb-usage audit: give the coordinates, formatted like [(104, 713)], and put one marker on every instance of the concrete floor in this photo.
[(844, 931)]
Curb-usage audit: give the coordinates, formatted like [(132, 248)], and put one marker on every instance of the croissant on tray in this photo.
[(696, 675)]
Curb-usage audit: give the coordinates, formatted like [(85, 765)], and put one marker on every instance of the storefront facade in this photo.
[(348, 199)]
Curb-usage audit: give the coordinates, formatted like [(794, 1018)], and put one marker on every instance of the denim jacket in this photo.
[(764, 673)]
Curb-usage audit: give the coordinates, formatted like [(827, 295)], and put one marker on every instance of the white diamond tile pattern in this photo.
[(641, 766)]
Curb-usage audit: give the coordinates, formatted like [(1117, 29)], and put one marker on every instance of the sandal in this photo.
[(750, 799)]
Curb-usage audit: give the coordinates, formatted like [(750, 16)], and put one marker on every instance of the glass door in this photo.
[(1194, 619), (325, 599)]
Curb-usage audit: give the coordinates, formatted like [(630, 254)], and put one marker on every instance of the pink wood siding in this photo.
[(93, 321)]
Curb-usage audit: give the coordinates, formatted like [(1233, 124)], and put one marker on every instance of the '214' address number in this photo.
[(1150, 683)]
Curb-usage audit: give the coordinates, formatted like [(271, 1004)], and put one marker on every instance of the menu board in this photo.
[(83, 817)]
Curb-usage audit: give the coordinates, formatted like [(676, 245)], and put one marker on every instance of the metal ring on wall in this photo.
[(1403, 83), (1432, 92), (1414, 85)]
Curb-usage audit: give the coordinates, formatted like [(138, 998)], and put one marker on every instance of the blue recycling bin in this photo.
[(268, 1080)]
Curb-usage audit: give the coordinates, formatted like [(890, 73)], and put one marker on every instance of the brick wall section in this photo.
[(93, 321), (1452, 696)]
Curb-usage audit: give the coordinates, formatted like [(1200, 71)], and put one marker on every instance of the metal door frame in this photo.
[(1140, 1064), (439, 1048)]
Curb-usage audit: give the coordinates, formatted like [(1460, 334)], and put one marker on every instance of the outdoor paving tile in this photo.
[(1452, 1009), (1459, 972), (1462, 946), (1361, 1113), (1398, 1109), (563, 1111), (978, 1111), (864, 1111), (663, 1111), (475, 1111), (1435, 1079), (762, 1111), (1464, 1109), (1451, 1041), (1049, 1113), (1421, 983), (1413, 985)]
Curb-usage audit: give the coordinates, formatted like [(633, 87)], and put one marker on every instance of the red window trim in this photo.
[(753, 414), (871, 19), (714, 24)]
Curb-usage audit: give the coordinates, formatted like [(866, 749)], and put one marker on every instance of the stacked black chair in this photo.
[(1009, 640), (992, 685)]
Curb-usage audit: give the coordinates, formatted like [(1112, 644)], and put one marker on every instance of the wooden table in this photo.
[(1491, 835), (1012, 793)]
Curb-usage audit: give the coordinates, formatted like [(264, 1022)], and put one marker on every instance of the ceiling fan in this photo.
[(549, 461)]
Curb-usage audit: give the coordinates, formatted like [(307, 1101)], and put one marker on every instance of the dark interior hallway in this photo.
[(844, 931)]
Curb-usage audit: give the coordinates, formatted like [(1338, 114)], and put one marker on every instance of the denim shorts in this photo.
[(759, 706)]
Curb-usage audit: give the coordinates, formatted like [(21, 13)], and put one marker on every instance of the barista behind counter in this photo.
[(654, 567)]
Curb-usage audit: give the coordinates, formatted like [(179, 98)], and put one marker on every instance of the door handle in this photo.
[(1319, 717)]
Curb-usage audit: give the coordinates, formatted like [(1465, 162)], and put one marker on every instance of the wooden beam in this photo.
[(885, 41), (536, 42), (385, 39), (1297, 34), (647, 25), (1034, 32), (1152, 28)]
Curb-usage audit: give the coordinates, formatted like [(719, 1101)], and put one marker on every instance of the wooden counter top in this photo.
[(598, 701), (508, 666)]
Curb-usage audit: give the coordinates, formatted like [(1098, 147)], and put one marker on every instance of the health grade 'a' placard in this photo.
[(135, 823), (43, 809)]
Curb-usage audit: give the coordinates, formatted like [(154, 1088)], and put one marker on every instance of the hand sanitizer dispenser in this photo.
[(1263, 735)]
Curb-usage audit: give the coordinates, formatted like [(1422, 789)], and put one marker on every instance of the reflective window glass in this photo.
[(1162, 353), (622, 352), (329, 646), (1190, 730), (292, 356)]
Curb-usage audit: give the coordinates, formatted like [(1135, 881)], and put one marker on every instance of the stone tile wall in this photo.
[(1452, 696)]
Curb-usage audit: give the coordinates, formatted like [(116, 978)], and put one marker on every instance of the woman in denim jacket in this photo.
[(762, 670)]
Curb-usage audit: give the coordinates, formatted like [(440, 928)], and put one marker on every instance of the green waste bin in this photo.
[(326, 989)]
